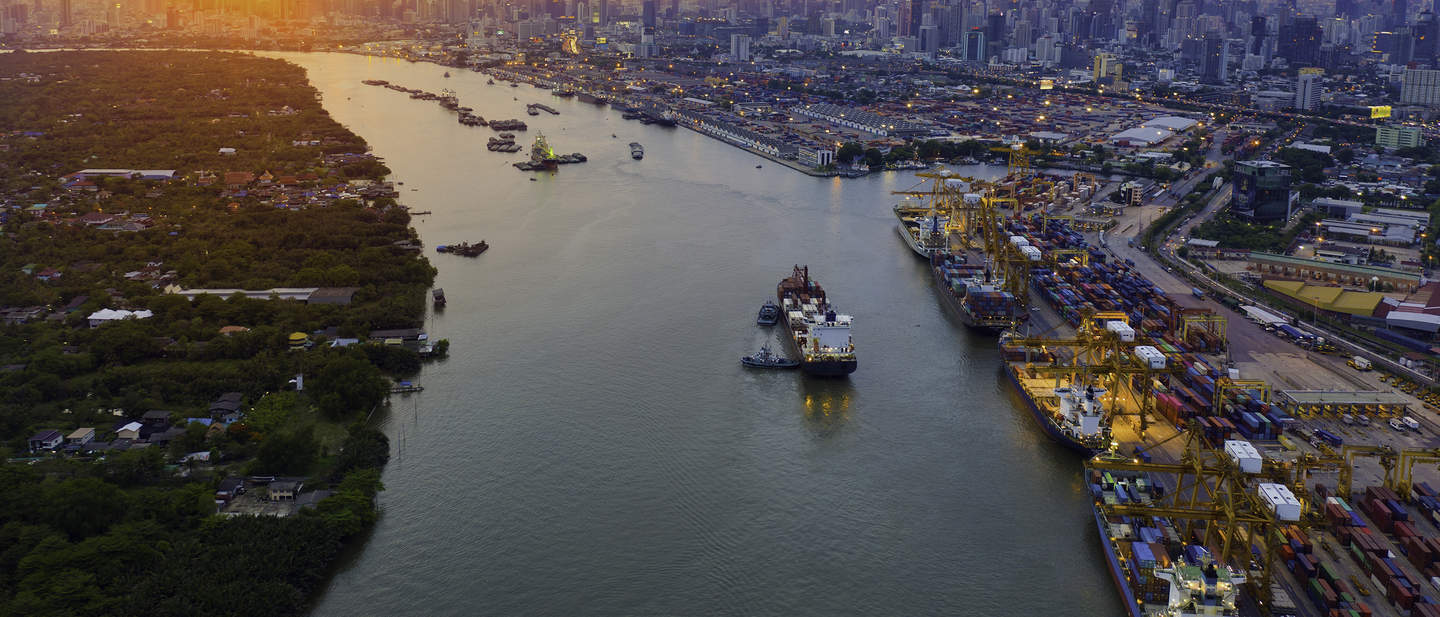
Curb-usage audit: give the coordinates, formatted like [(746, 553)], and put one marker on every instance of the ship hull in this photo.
[(1046, 424), (1112, 561), (953, 303), (909, 238), (822, 368), (589, 98)]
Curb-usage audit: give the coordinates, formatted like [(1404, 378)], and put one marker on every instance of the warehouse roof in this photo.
[(1343, 397), (1170, 123), (1334, 299), (1147, 136)]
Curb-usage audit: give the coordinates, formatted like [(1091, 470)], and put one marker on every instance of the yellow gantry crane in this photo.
[(947, 197), (1099, 351), (1211, 487)]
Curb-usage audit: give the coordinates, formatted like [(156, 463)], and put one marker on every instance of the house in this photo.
[(227, 152), (284, 491), (130, 431), (156, 418), (95, 218), (220, 408), (106, 315), (238, 179), (46, 440), (81, 436), (167, 436), (47, 275), (229, 489), (75, 303), (229, 418), (201, 421)]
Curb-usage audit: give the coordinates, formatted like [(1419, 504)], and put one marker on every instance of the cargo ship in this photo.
[(589, 98), (1155, 572), (637, 151), (1071, 414), (922, 228), (974, 293), (818, 335)]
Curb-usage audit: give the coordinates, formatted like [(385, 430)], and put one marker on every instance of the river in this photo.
[(592, 445)]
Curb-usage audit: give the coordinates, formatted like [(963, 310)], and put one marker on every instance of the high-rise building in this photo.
[(67, 16), (647, 14), (1215, 58), (1398, 137), (1427, 34), (917, 13), (1262, 192), (1307, 89), (1420, 87), (740, 47), (973, 48)]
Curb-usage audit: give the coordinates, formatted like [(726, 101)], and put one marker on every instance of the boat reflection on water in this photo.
[(827, 405)]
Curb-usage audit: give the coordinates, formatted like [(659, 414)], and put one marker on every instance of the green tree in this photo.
[(288, 454), (348, 385)]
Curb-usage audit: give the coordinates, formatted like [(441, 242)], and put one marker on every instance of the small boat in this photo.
[(514, 85), (769, 314), (757, 167), (612, 134), (767, 359), (490, 81)]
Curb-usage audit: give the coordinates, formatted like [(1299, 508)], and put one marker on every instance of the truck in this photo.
[(1198, 292), (1359, 364)]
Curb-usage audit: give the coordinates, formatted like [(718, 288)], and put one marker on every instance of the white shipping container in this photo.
[(1234, 374), (1019, 241), (1244, 454), (1151, 356), (1127, 334), (1031, 253), (1280, 500)]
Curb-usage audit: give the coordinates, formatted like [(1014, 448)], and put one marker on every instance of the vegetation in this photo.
[(124, 532), (1273, 238)]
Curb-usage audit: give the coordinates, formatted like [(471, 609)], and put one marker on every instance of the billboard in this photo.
[(1382, 111), (1047, 84)]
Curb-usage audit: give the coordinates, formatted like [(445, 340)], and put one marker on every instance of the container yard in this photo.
[(1281, 514)]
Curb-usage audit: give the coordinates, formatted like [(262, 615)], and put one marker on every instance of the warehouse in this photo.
[(1141, 137)]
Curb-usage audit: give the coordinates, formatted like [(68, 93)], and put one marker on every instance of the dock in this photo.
[(406, 388)]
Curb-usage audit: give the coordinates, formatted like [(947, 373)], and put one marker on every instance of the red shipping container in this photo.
[(1404, 598), (1287, 553)]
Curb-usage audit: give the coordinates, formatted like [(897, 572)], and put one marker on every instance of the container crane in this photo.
[(1220, 493)]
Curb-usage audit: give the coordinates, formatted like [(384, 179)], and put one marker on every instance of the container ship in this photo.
[(819, 336), (1074, 414), (974, 293), (1156, 572), (922, 228)]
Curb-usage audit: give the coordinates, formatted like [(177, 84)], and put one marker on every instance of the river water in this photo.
[(592, 444)]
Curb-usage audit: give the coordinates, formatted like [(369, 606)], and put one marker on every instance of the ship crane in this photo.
[(1101, 352), (947, 196), (1211, 487)]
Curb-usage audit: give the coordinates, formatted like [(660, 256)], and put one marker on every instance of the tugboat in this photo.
[(767, 359), (636, 150), (447, 73), (769, 314), (490, 81)]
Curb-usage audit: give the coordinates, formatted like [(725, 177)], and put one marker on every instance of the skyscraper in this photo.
[(740, 47), (1307, 89), (1214, 60), (647, 14), (973, 48)]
